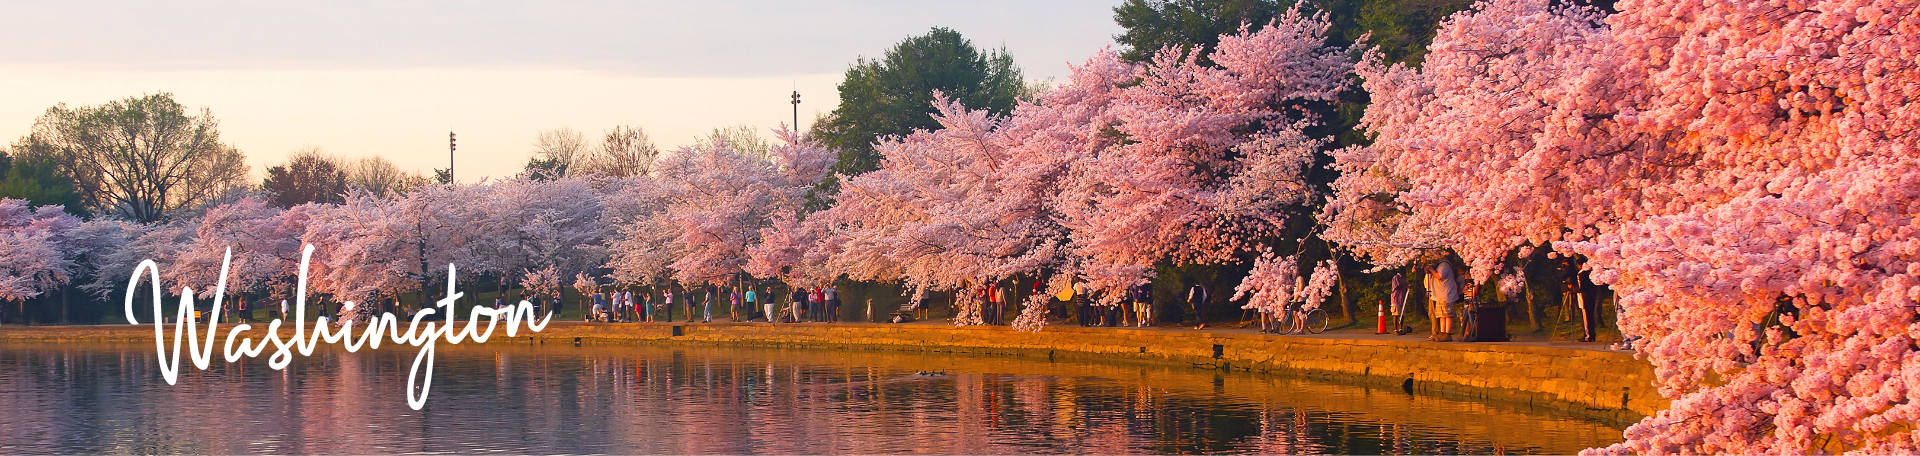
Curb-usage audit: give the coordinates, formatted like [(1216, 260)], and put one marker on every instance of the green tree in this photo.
[(308, 176), (894, 95), (1401, 29), (36, 178), (1155, 24), (141, 157)]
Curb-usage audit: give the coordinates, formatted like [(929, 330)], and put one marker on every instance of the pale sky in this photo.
[(392, 78)]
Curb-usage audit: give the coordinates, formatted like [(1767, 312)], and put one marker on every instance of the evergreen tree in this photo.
[(894, 94)]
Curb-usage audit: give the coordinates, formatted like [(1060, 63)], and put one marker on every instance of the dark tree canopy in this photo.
[(141, 157), (1155, 24), (307, 177), (894, 95), (36, 178), (1401, 29)]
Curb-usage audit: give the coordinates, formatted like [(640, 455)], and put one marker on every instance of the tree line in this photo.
[(1740, 174)]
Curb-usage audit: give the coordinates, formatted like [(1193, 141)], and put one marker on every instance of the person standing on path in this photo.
[(833, 304), (767, 301), (816, 304), (1082, 301), (669, 304), (753, 302), (795, 302), (634, 306), (1006, 302), (621, 306), (733, 304), (1197, 300), (1430, 280), (1443, 287), (687, 298), (1399, 296), (988, 302), (706, 307)]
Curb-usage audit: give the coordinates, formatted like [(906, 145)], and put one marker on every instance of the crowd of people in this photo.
[(1449, 302), (1450, 305), (739, 304)]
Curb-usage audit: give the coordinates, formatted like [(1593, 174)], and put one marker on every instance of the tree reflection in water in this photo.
[(733, 400)]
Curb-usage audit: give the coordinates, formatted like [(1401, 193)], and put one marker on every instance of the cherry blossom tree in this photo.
[(100, 249), (109, 249), (795, 251), (264, 241), (963, 204), (710, 205), (1124, 167), (1716, 163), (534, 225), (1190, 163), (32, 258), (641, 244), (361, 253), (544, 282), (1493, 81)]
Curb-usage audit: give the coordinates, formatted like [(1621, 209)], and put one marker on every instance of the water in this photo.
[(694, 399)]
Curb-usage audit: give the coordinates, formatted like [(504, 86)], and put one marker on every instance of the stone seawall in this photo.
[(1610, 385)]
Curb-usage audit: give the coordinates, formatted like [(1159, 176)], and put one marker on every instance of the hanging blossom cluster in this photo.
[(1742, 174), (1275, 283), (1124, 166), (1513, 284)]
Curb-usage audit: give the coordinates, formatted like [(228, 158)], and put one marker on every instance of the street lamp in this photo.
[(796, 110)]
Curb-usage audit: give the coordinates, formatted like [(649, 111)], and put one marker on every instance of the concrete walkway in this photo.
[(1350, 333)]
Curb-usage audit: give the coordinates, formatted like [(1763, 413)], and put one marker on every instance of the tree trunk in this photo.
[(1533, 311), (1353, 315), (63, 305)]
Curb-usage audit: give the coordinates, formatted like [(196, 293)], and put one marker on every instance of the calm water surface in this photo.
[(690, 400)]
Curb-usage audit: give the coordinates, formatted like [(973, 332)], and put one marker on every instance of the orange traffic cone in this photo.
[(1381, 327)]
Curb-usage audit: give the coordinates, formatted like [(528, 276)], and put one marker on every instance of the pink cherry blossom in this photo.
[(32, 257), (1712, 160), (1186, 163)]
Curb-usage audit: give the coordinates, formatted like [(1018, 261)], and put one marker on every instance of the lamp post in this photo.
[(796, 110), (450, 158)]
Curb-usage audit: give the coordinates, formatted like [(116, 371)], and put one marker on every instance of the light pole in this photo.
[(450, 158), (796, 111)]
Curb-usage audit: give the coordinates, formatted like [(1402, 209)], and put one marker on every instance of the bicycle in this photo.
[(1296, 321)]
